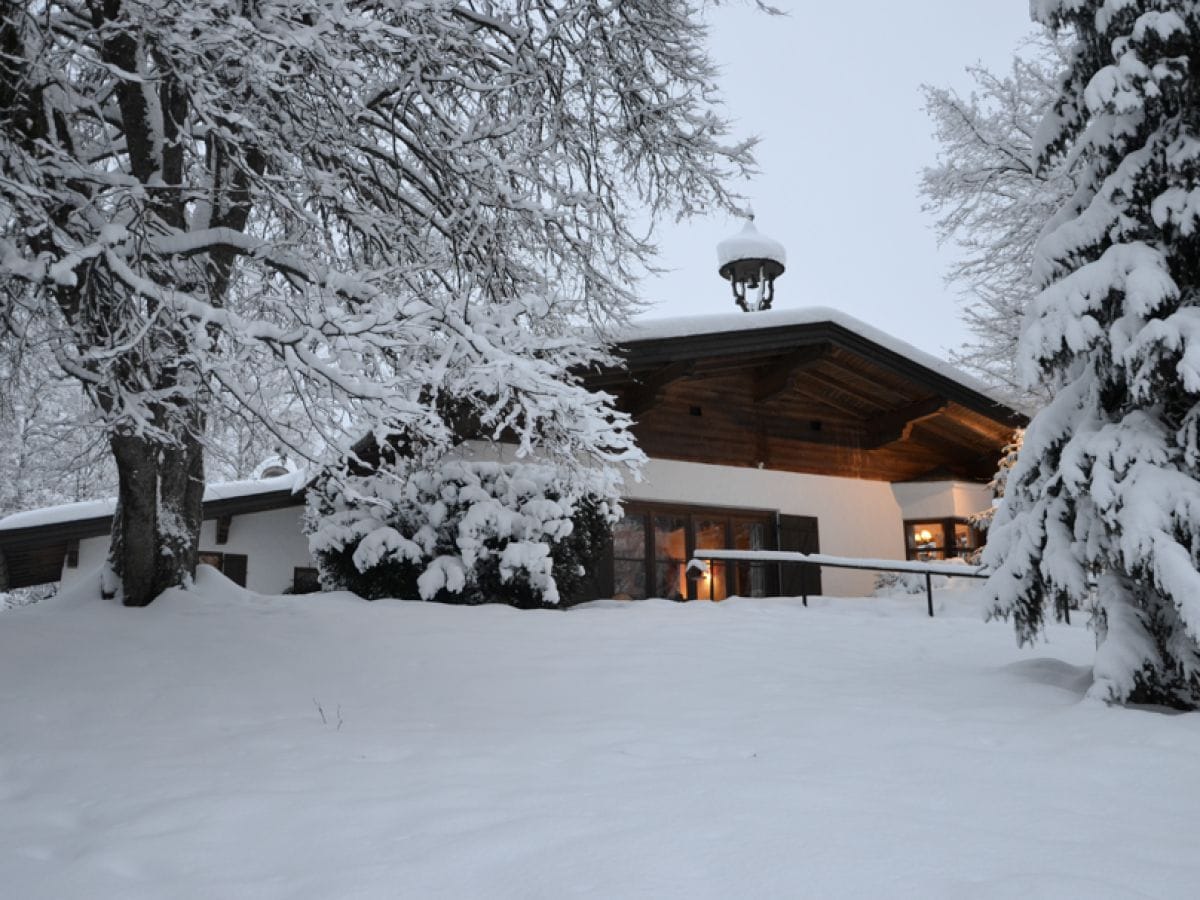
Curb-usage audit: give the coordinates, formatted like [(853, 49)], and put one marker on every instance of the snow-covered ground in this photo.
[(225, 745)]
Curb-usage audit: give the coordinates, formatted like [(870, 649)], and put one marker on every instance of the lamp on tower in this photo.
[(751, 262)]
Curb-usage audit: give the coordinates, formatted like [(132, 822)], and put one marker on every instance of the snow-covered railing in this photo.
[(821, 560)]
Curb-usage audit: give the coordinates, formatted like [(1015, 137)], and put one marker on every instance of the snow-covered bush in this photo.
[(889, 584), (464, 532)]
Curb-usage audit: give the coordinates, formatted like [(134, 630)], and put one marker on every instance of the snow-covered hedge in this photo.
[(463, 532)]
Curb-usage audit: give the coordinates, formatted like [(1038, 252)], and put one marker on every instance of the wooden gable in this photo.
[(816, 398)]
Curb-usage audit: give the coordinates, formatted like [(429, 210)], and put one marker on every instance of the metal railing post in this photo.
[(929, 592)]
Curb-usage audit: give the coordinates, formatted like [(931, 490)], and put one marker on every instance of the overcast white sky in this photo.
[(833, 91)]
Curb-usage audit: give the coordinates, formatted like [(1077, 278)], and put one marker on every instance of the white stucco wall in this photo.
[(941, 499), (92, 553), (854, 517), (272, 542)]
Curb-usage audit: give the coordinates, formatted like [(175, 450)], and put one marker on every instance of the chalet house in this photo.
[(791, 429)]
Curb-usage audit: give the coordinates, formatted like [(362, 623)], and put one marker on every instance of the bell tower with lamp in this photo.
[(750, 261)]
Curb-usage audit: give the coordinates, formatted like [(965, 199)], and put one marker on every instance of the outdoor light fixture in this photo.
[(751, 262)]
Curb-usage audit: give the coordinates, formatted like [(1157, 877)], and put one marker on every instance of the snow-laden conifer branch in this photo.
[(1104, 499)]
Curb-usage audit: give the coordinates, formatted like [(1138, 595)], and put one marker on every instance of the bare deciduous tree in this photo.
[(992, 197)]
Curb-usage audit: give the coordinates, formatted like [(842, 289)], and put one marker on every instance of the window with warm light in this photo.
[(653, 544), (935, 539)]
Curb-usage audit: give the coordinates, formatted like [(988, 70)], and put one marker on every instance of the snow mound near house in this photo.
[(223, 744)]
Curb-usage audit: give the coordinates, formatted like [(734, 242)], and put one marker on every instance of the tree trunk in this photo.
[(156, 527)]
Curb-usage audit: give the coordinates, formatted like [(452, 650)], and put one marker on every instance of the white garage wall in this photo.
[(272, 542)]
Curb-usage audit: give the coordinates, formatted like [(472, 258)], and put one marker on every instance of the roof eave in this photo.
[(651, 352)]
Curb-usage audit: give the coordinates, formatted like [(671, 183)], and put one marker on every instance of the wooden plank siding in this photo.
[(813, 398)]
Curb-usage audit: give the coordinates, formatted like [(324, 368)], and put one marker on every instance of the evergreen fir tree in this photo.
[(1106, 494)]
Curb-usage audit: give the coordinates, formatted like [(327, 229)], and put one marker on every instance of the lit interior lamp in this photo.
[(751, 262), (924, 536)]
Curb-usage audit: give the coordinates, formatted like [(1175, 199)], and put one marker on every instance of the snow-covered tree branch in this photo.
[(992, 197), (398, 206)]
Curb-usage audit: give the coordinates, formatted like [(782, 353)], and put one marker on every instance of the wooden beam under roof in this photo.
[(979, 469), (650, 386), (856, 384), (779, 376), (645, 353), (898, 424), (788, 429), (803, 391), (871, 399)]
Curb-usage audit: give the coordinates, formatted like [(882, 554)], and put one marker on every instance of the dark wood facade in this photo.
[(816, 398)]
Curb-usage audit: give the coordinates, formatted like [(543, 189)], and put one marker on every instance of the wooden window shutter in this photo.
[(305, 580), (234, 566), (799, 534)]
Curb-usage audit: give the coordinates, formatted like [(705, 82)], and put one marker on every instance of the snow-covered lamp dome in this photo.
[(751, 262)]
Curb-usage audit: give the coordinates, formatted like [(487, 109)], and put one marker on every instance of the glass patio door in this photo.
[(654, 542)]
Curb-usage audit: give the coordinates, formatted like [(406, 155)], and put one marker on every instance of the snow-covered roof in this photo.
[(692, 326), (749, 243), (94, 509)]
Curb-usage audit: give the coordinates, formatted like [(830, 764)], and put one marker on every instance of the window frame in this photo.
[(691, 514), (949, 548)]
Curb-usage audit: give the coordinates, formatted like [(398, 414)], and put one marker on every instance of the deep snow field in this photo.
[(751, 748)]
